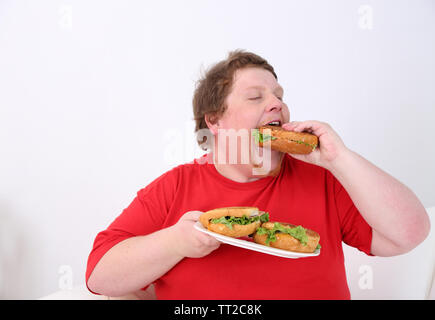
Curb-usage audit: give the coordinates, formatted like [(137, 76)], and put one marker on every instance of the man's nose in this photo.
[(275, 105)]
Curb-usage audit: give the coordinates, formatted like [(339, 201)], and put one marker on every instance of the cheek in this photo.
[(243, 117), (243, 121), (286, 114)]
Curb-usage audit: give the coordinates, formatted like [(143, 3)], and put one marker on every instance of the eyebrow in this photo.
[(262, 88)]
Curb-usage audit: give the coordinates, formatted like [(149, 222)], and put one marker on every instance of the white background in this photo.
[(95, 103)]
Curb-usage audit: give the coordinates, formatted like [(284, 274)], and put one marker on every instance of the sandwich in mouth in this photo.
[(285, 141)]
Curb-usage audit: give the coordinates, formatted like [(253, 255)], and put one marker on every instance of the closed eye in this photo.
[(256, 98)]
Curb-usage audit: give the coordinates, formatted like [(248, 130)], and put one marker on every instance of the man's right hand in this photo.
[(189, 242)]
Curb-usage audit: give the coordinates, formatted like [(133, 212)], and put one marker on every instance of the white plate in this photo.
[(255, 246)]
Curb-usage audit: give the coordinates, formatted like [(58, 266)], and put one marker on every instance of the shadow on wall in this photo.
[(18, 256)]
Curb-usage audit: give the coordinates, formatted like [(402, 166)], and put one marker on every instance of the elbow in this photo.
[(94, 285), (416, 231), (98, 285), (424, 227), (109, 286)]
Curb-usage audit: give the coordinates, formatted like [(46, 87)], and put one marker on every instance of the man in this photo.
[(333, 191)]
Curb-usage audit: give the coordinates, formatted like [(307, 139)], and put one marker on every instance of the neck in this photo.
[(236, 172), (245, 172)]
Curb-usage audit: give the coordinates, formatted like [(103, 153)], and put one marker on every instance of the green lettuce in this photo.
[(261, 137), (230, 220), (298, 233)]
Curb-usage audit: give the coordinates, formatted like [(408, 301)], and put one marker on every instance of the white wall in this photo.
[(403, 277), (83, 82)]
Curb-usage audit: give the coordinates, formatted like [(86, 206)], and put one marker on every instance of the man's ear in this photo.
[(212, 124)]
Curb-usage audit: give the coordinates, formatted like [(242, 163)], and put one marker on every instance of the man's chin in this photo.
[(269, 169)]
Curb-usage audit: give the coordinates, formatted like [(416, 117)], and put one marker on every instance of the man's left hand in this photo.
[(330, 144)]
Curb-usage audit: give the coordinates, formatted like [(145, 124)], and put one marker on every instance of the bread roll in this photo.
[(287, 242), (289, 141), (237, 230)]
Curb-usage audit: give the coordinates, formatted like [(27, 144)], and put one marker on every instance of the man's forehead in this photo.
[(259, 87), (255, 78)]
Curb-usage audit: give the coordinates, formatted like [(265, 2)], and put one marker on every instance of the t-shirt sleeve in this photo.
[(145, 214), (355, 231)]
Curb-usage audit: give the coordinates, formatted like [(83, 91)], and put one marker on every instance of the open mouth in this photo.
[(275, 123)]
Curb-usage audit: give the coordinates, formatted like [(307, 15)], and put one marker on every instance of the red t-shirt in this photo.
[(301, 194)]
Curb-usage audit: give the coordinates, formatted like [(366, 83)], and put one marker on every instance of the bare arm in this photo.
[(398, 219), (136, 262)]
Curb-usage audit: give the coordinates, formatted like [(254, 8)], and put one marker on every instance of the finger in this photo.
[(215, 246), (311, 126), (208, 242), (290, 125)]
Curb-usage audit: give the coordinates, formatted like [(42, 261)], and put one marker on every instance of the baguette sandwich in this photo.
[(286, 141)]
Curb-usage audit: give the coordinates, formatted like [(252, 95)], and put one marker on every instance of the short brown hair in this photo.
[(214, 86)]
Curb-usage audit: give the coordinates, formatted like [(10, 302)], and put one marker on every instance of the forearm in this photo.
[(387, 205), (134, 263)]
